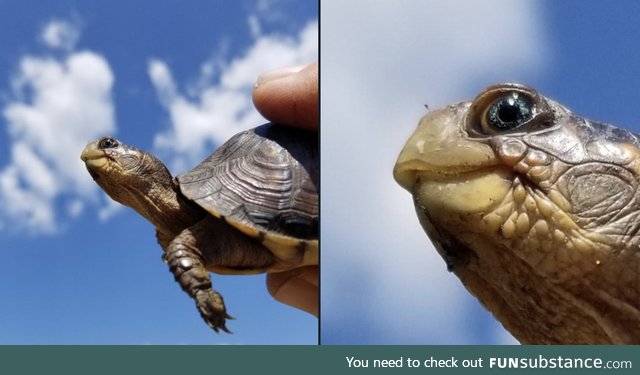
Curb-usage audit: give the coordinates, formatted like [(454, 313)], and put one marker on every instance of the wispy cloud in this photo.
[(205, 115), (55, 105), (254, 25)]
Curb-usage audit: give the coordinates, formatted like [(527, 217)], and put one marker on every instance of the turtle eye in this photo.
[(508, 108), (508, 112), (107, 142)]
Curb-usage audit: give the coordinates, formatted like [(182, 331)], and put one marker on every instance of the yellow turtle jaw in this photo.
[(479, 191), (92, 153), (95, 160)]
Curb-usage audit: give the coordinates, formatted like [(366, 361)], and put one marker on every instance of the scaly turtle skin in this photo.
[(251, 207), (536, 210)]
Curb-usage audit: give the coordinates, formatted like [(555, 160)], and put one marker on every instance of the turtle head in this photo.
[(123, 171), (139, 180)]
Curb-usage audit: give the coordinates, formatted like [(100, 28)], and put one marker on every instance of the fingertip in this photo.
[(297, 288), (289, 96)]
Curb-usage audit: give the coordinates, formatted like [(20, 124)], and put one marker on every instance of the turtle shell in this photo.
[(264, 182)]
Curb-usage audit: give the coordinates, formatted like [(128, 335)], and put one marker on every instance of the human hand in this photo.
[(289, 96)]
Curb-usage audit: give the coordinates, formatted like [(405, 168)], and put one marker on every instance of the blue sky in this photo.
[(381, 62), (171, 77)]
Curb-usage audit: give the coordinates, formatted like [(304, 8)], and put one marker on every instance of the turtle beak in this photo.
[(440, 146), (94, 159), (91, 152)]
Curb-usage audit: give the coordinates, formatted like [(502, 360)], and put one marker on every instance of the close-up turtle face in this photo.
[(515, 181), (525, 169)]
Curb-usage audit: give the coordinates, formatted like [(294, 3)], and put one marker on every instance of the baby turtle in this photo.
[(536, 210), (250, 207)]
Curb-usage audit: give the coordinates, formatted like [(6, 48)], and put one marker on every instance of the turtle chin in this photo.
[(102, 166), (93, 174), (455, 253), (479, 191)]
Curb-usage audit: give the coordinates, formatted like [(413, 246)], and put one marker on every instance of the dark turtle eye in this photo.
[(509, 112), (508, 109), (107, 142)]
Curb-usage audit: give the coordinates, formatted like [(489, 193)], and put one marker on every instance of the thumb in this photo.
[(289, 96)]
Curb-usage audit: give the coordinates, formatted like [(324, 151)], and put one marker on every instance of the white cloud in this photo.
[(381, 61), (55, 107), (24, 207), (210, 114), (60, 34)]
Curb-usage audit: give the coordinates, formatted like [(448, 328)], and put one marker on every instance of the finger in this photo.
[(297, 288), (289, 96)]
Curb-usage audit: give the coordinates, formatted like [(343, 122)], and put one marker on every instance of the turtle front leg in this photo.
[(188, 267)]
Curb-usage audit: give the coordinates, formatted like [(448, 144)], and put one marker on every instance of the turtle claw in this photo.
[(224, 328), (212, 309)]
